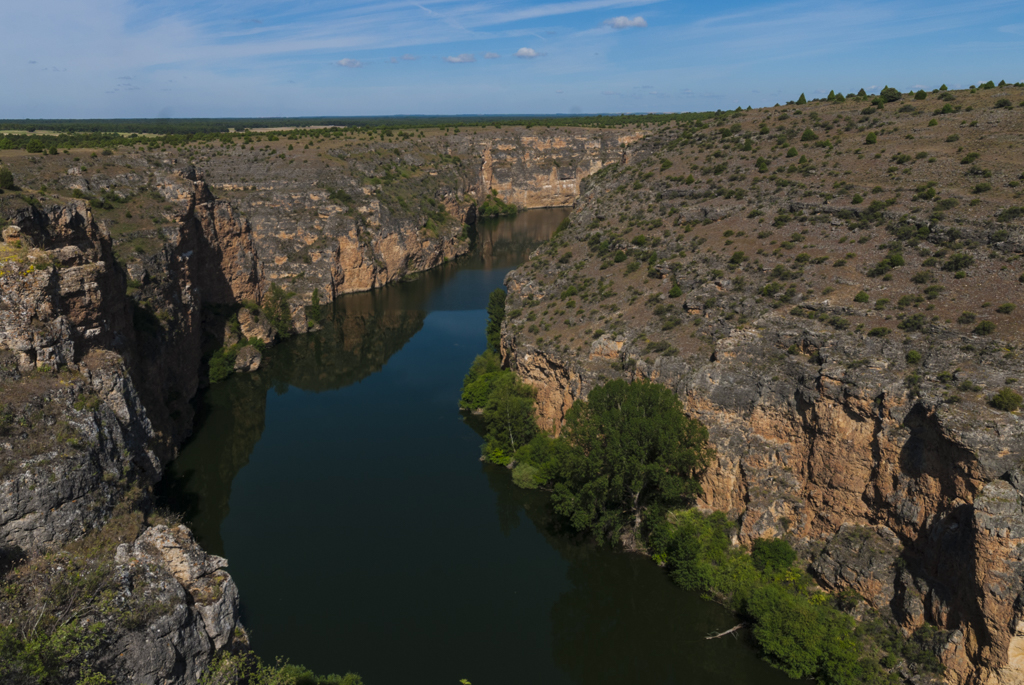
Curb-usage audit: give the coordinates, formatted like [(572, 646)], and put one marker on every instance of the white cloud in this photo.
[(491, 55), (409, 58), (351, 63), (461, 59), (626, 22), (528, 53)]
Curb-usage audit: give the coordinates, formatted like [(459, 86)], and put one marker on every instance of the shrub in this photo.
[(861, 297), (920, 95), (914, 322), (1006, 400), (1006, 308), (871, 138), (878, 332), (6, 179), (966, 318), (802, 100), (314, 312), (1008, 214), (857, 199), (791, 152), (1003, 103), (772, 554), (984, 328), (495, 317), (958, 262), (808, 135), (277, 310), (913, 357)]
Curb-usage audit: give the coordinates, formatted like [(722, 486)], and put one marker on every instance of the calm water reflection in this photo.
[(365, 535)]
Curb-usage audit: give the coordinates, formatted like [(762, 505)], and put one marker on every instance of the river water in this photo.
[(365, 535)]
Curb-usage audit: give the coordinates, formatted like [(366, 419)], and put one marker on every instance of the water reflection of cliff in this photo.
[(361, 332)]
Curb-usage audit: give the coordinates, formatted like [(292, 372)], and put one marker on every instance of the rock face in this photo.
[(862, 433), (202, 614), (77, 437), (99, 360)]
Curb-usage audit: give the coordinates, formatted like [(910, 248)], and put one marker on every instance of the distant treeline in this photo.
[(100, 133)]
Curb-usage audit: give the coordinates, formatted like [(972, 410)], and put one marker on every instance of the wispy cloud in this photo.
[(528, 53), (491, 55), (351, 63), (409, 58), (626, 22), (464, 58)]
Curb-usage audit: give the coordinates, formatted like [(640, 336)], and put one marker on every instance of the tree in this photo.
[(633, 448), (314, 312), (509, 416), (277, 310), (808, 135), (802, 100), (495, 317), (6, 179), (890, 94)]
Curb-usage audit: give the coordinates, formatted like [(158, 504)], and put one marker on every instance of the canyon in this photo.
[(684, 262)]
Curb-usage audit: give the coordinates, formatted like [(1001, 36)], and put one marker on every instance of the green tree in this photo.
[(890, 94), (633, 449), (277, 310), (6, 179), (314, 312), (509, 416), (808, 135), (495, 317), (802, 100)]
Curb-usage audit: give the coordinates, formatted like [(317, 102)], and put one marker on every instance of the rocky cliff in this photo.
[(76, 445), (118, 280), (833, 350)]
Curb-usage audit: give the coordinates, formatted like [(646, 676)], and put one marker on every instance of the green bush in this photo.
[(248, 669), (6, 179), (479, 381), (772, 554), (791, 152), (314, 312), (495, 206), (861, 297), (495, 317), (808, 135), (1006, 308), (1006, 400), (913, 357), (984, 328), (871, 138), (277, 310)]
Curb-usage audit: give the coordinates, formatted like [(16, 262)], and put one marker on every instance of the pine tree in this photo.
[(802, 100)]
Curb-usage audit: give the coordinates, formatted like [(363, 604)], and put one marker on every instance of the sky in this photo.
[(224, 58)]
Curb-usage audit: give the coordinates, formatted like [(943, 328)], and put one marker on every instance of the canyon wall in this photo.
[(862, 433), (105, 322)]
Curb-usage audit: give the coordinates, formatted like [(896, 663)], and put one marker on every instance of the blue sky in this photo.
[(210, 58)]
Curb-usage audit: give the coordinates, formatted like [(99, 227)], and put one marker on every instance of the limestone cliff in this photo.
[(861, 433)]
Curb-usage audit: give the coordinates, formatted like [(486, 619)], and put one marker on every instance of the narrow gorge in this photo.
[(821, 317)]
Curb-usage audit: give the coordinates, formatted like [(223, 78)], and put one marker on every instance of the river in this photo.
[(365, 535)]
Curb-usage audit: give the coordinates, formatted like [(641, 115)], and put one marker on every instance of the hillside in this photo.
[(832, 288)]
